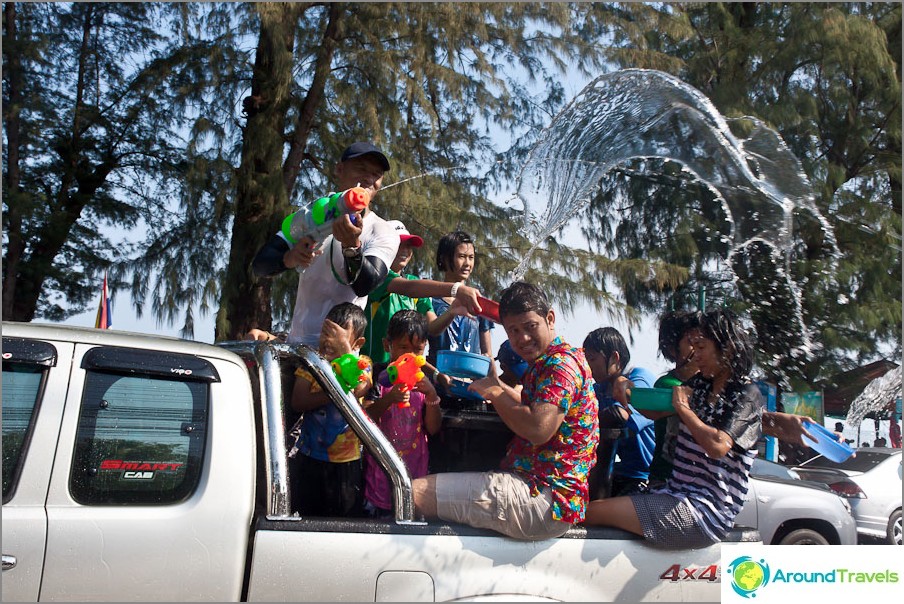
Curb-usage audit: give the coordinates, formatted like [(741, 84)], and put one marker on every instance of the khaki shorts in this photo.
[(497, 500)]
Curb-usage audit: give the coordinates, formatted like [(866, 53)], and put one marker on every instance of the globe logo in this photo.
[(748, 575)]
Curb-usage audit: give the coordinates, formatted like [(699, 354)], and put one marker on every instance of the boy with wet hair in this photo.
[(608, 356), (513, 366), (541, 487), (326, 466)]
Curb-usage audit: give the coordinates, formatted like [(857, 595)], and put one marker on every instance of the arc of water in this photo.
[(875, 396), (645, 114)]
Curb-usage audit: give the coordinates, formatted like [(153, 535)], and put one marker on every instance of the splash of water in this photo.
[(876, 396), (422, 175), (643, 114)]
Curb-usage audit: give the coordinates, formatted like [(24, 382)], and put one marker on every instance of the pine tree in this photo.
[(827, 77)]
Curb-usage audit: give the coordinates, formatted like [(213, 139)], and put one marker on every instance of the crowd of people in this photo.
[(680, 478)]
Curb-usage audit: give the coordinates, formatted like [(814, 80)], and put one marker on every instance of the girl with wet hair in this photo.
[(719, 409)]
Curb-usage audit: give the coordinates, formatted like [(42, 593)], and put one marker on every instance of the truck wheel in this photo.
[(803, 537), (893, 532)]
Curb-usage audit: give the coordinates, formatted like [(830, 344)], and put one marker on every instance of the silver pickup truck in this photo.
[(144, 468)]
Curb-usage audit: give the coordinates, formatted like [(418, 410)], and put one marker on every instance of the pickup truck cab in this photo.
[(140, 468)]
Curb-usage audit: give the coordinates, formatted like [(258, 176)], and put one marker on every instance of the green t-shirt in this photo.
[(381, 305)]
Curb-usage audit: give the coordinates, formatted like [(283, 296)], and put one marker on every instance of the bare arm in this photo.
[(786, 427), (427, 288), (536, 423), (441, 322), (715, 443), (486, 345), (393, 396), (305, 400)]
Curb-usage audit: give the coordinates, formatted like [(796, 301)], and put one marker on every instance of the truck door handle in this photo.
[(9, 562)]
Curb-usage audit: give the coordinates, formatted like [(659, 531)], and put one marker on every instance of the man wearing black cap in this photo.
[(352, 261)]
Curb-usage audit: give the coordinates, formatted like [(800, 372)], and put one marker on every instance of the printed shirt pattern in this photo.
[(560, 377), (405, 429), (325, 435)]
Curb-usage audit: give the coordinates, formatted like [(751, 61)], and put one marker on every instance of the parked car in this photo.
[(871, 481), (788, 511)]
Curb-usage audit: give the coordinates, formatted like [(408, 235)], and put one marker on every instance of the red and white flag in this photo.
[(104, 309)]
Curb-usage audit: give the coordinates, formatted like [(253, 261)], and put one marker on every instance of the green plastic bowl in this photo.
[(652, 399)]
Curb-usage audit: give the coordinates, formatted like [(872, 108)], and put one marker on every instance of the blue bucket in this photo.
[(827, 443), (458, 363)]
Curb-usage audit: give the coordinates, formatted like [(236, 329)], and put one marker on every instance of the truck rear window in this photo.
[(140, 439)]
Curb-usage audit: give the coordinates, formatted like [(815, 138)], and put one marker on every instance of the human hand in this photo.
[(443, 380), (334, 340), (346, 232), (426, 387), (364, 384), (788, 428), (621, 389), (302, 253), (459, 308), (395, 396), (489, 387), (467, 296), (681, 398), (260, 335)]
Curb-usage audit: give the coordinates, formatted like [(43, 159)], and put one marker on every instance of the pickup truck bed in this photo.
[(139, 468)]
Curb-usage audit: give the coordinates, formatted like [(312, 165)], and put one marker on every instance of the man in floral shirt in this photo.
[(541, 487)]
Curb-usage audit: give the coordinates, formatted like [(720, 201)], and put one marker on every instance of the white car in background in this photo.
[(871, 482), (789, 511)]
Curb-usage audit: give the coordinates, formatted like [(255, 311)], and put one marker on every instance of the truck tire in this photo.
[(803, 537), (893, 532)]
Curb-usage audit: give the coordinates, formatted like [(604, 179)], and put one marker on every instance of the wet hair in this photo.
[(672, 325), (407, 323), (606, 340), (521, 297), (723, 327), (344, 313), (445, 249)]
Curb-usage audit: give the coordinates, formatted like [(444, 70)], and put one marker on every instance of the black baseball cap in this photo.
[(364, 148)]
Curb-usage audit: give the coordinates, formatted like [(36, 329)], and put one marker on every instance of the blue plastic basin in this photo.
[(827, 443), (460, 389), (458, 363)]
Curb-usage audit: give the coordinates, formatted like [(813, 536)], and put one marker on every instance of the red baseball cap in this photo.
[(404, 235)]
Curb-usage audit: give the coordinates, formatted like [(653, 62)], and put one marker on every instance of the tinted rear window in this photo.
[(21, 389), (140, 440)]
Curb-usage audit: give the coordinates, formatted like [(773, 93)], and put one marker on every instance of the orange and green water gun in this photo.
[(348, 369), (406, 371)]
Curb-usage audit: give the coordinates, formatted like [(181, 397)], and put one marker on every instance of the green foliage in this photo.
[(828, 78), (200, 125)]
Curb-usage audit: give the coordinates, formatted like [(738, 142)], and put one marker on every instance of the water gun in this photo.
[(348, 369), (316, 220), (406, 371)]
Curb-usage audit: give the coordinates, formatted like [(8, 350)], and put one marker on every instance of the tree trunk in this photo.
[(13, 220), (261, 194), (312, 100), (27, 282)]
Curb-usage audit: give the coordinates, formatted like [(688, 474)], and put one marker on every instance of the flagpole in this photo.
[(103, 319)]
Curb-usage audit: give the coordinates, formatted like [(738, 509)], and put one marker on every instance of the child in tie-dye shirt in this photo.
[(327, 471)]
